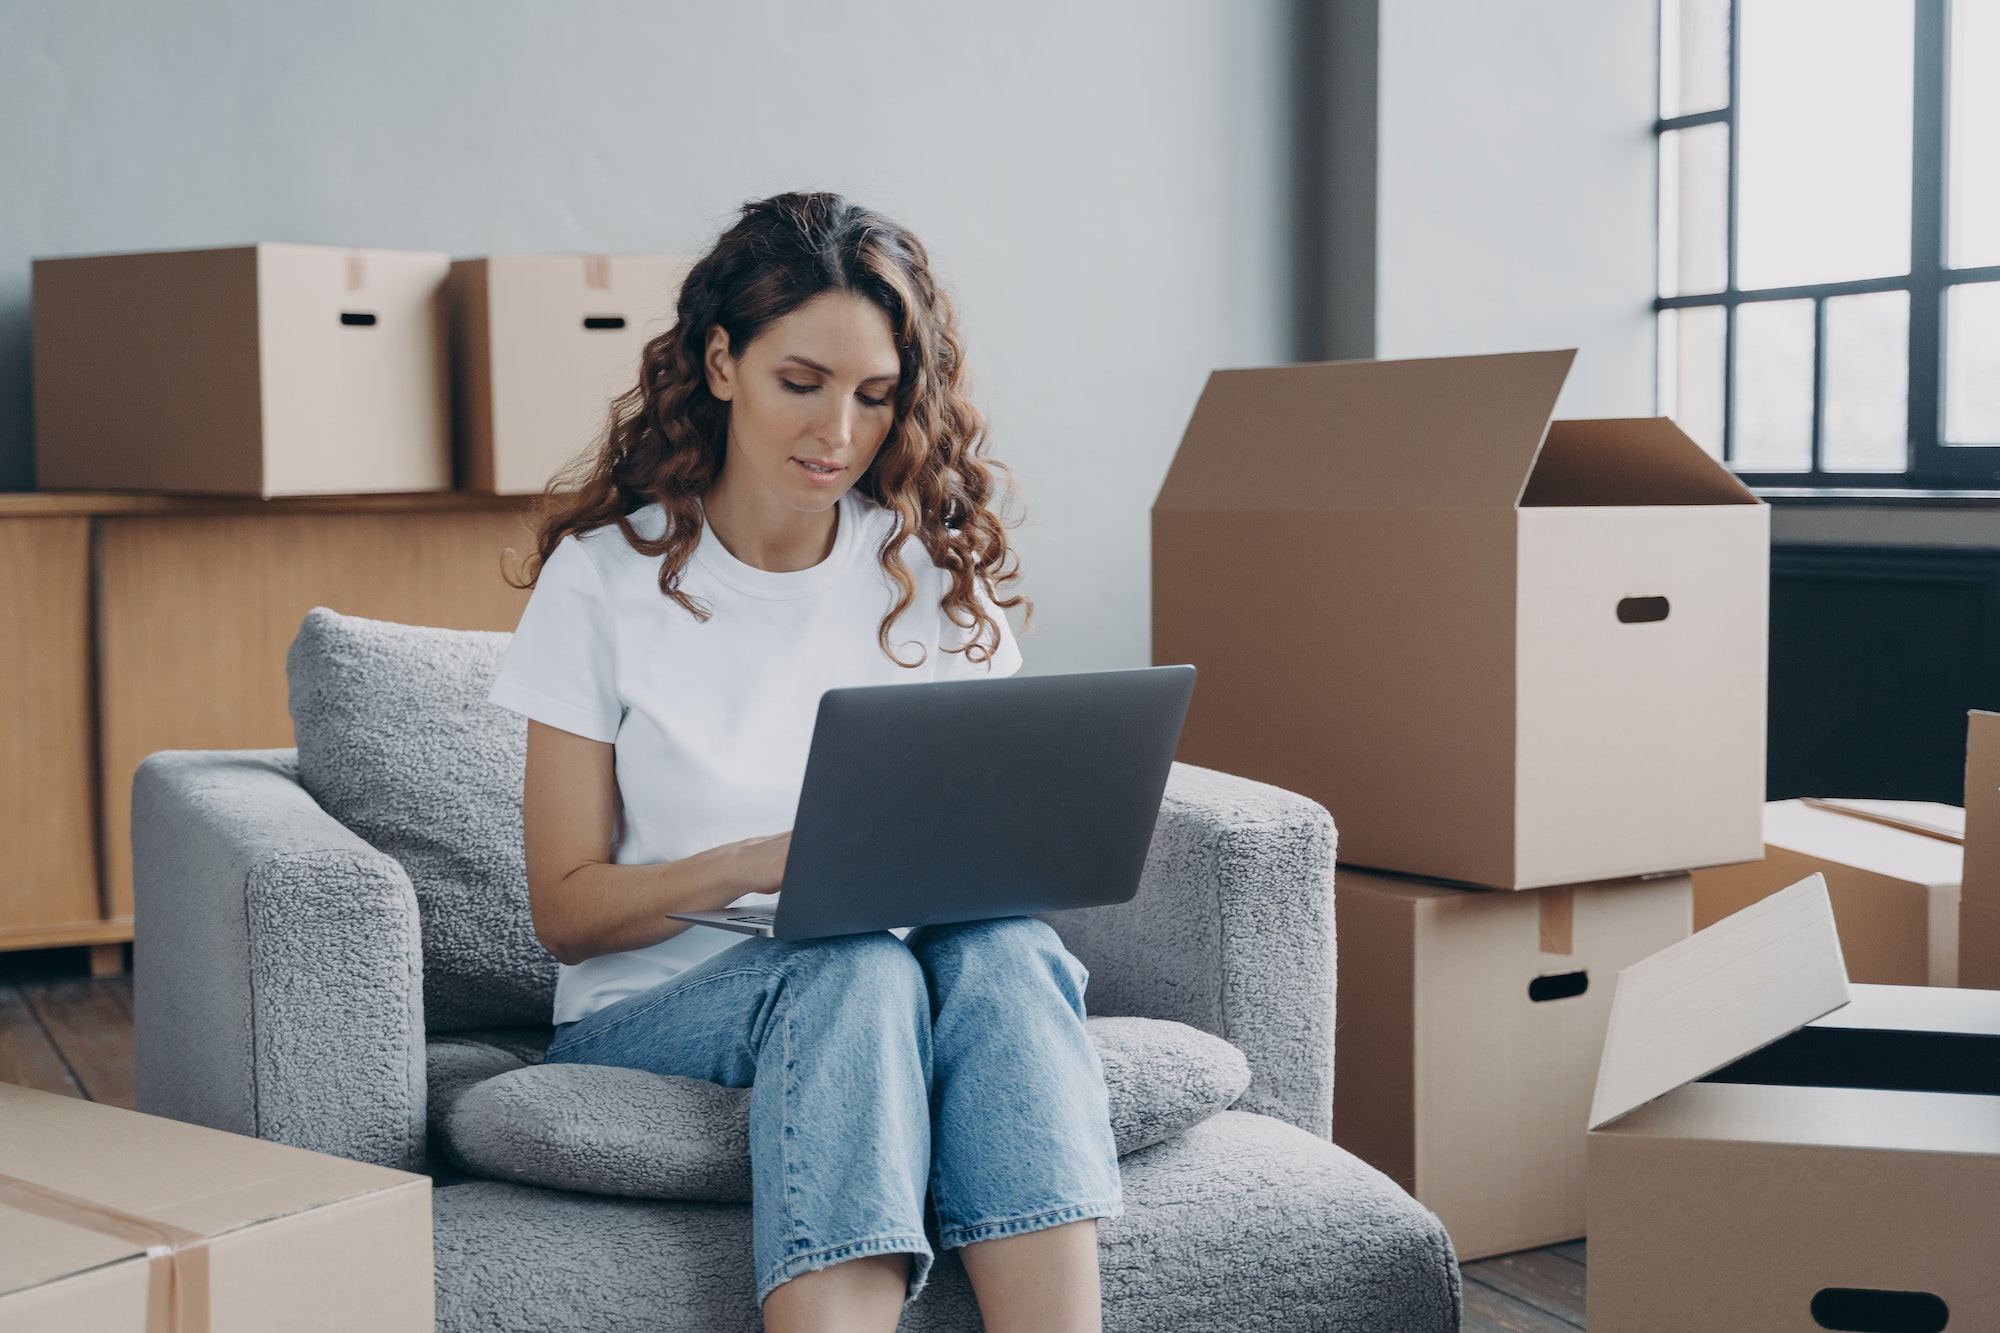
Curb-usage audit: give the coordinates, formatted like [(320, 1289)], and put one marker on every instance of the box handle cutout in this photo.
[(1862, 1310), (1559, 987), (1642, 610), (357, 319), (604, 321)]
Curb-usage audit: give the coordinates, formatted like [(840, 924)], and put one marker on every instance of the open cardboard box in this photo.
[(1892, 869), (1501, 650), (257, 370), (1470, 1029), (116, 1222), (542, 344), (1774, 1149)]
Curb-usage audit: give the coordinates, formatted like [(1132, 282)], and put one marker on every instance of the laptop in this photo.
[(966, 800)]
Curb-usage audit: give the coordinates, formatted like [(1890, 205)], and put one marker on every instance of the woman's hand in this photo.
[(756, 865)]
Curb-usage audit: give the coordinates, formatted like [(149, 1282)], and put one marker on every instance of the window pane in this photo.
[(1975, 133), (1774, 386), (1694, 210), (1823, 183), (1691, 372), (1972, 364), (1694, 56), (1867, 405)]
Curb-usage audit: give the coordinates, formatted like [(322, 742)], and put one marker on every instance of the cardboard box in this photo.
[(1469, 1030), (1766, 1154), (261, 370), (1891, 867), (541, 345), (115, 1222), (1979, 906), (1501, 651)]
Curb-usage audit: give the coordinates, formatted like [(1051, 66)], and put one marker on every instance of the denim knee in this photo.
[(872, 970), (1005, 952)]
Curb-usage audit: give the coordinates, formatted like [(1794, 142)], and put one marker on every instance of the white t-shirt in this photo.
[(712, 720)]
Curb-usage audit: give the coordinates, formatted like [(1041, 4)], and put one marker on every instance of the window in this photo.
[(1829, 309)]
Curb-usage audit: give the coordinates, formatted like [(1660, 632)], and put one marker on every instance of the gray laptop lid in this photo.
[(964, 800)]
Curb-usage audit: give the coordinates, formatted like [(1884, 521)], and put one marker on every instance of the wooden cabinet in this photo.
[(48, 771), (141, 623)]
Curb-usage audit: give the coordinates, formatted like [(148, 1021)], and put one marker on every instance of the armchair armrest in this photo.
[(277, 980), (1231, 932)]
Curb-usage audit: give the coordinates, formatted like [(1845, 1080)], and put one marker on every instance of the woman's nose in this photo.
[(837, 427)]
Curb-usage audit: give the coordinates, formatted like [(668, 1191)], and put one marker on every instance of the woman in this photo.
[(793, 499)]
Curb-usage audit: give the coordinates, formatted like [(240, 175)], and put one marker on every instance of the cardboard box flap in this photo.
[(1640, 461), (1444, 433), (1937, 1009), (1718, 995), (187, 1176), (1866, 844), (1933, 819)]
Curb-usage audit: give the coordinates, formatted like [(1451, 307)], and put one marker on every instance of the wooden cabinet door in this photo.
[(48, 825), (195, 612)]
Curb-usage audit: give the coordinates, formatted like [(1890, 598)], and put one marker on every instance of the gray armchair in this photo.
[(280, 993)]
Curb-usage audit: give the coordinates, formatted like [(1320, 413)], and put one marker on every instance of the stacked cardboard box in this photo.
[(1469, 1026), (541, 345), (276, 370), (1507, 653), (261, 370), (1892, 867)]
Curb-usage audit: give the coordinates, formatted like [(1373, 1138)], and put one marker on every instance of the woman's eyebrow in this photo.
[(811, 364)]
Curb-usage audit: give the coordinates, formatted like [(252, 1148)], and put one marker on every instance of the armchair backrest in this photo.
[(397, 741)]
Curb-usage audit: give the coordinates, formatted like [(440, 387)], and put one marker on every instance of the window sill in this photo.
[(1873, 497)]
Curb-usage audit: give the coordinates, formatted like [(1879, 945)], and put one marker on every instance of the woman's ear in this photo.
[(719, 365)]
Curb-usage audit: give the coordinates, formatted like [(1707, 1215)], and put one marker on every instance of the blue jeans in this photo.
[(954, 1063)]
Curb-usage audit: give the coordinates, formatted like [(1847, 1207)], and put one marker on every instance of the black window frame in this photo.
[(1935, 468)]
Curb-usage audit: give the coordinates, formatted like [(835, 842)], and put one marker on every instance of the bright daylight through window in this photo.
[(1829, 310)]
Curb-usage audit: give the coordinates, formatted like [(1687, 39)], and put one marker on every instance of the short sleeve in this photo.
[(1006, 659), (561, 668)]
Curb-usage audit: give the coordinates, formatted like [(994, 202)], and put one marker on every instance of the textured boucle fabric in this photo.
[(525, 1044), (602, 1130), (455, 1067), (397, 742), (1162, 1077), (1231, 932), (276, 980), (1241, 1225)]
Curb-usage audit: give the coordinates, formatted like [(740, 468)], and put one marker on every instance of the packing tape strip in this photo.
[(1558, 912), (176, 1258), (597, 271)]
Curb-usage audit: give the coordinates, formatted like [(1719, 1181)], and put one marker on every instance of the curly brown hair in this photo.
[(668, 434)]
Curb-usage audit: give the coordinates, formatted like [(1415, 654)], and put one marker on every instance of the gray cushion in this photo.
[(622, 1131), (1163, 1077), (397, 742)]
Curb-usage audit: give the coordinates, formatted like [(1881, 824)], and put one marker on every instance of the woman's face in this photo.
[(810, 400)]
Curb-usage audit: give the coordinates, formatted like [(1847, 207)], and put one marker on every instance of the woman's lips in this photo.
[(812, 473)]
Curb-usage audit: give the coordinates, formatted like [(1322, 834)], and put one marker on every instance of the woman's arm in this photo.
[(583, 905)]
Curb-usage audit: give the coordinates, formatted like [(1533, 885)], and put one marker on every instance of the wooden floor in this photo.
[(1535, 1291), (60, 1031)]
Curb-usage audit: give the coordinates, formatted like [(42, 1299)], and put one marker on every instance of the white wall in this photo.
[(1101, 185), (1515, 187)]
